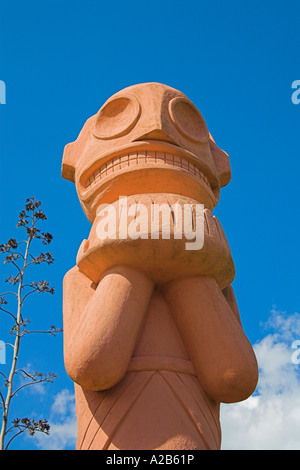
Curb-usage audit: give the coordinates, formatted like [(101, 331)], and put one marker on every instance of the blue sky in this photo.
[(61, 60)]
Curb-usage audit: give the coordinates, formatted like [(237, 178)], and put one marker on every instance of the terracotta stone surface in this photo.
[(152, 334)]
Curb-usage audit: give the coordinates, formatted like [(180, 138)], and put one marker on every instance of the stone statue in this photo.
[(152, 333)]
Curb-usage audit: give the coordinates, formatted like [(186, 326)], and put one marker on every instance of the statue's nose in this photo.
[(158, 127), (157, 134)]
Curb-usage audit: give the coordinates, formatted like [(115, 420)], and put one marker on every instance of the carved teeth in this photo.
[(143, 158)]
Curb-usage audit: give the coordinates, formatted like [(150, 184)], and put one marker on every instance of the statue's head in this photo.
[(147, 138)]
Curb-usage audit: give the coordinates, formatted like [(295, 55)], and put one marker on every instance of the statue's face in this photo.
[(147, 138)]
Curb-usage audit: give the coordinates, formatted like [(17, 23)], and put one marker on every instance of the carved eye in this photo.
[(117, 117), (188, 120)]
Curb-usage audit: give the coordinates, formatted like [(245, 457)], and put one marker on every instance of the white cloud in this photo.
[(270, 419), (63, 402), (63, 426)]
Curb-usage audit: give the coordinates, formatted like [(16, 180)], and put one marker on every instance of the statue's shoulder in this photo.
[(75, 278)]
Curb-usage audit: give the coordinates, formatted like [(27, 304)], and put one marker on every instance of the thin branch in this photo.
[(27, 384), (19, 254), (2, 399), (30, 262), (2, 373), (51, 331), (24, 372), (17, 434), (7, 344), (9, 313), (25, 428), (5, 293), (15, 264), (2, 388), (28, 293)]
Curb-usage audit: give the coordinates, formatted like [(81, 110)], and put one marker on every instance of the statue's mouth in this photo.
[(147, 156), (151, 158)]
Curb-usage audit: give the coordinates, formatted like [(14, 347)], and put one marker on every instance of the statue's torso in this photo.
[(159, 404)]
